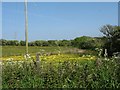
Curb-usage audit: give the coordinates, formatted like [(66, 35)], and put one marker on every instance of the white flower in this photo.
[(27, 56), (42, 50), (0, 62)]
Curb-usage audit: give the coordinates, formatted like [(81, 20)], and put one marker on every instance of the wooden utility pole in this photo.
[(26, 27)]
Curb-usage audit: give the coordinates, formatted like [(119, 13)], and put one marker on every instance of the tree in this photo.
[(3, 42), (64, 43), (22, 43), (38, 43), (52, 42), (112, 34), (84, 42), (31, 43)]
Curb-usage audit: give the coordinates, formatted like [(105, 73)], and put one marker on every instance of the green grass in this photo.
[(20, 50)]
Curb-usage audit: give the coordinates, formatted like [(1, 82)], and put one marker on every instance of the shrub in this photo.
[(67, 74)]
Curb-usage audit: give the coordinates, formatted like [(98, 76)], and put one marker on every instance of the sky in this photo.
[(0, 20), (119, 13), (57, 20)]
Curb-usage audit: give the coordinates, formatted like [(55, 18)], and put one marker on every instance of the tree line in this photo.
[(110, 41), (4, 42), (83, 42)]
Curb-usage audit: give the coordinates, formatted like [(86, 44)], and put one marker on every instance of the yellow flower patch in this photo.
[(61, 57)]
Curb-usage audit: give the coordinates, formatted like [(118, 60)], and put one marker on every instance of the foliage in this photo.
[(52, 42), (22, 43), (3, 42), (36, 43), (86, 42), (83, 42), (64, 43), (112, 34), (65, 74)]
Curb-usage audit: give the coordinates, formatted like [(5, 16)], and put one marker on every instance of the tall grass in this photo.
[(20, 50), (67, 74)]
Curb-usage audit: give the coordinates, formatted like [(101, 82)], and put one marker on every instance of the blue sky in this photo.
[(0, 20), (57, 20), (119, 13)]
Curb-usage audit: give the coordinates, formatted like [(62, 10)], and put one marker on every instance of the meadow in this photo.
[(20, 50), (65, 68)]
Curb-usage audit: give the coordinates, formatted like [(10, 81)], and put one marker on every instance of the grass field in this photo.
[(20, 50)]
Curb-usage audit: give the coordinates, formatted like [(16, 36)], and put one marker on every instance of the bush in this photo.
[(22, 43), (85, 42), (112, 34), (67, 74)]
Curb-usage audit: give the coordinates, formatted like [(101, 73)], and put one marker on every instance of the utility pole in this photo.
[(26, 27)]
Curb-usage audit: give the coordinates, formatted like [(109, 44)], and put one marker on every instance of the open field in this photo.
[(20, 50)]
